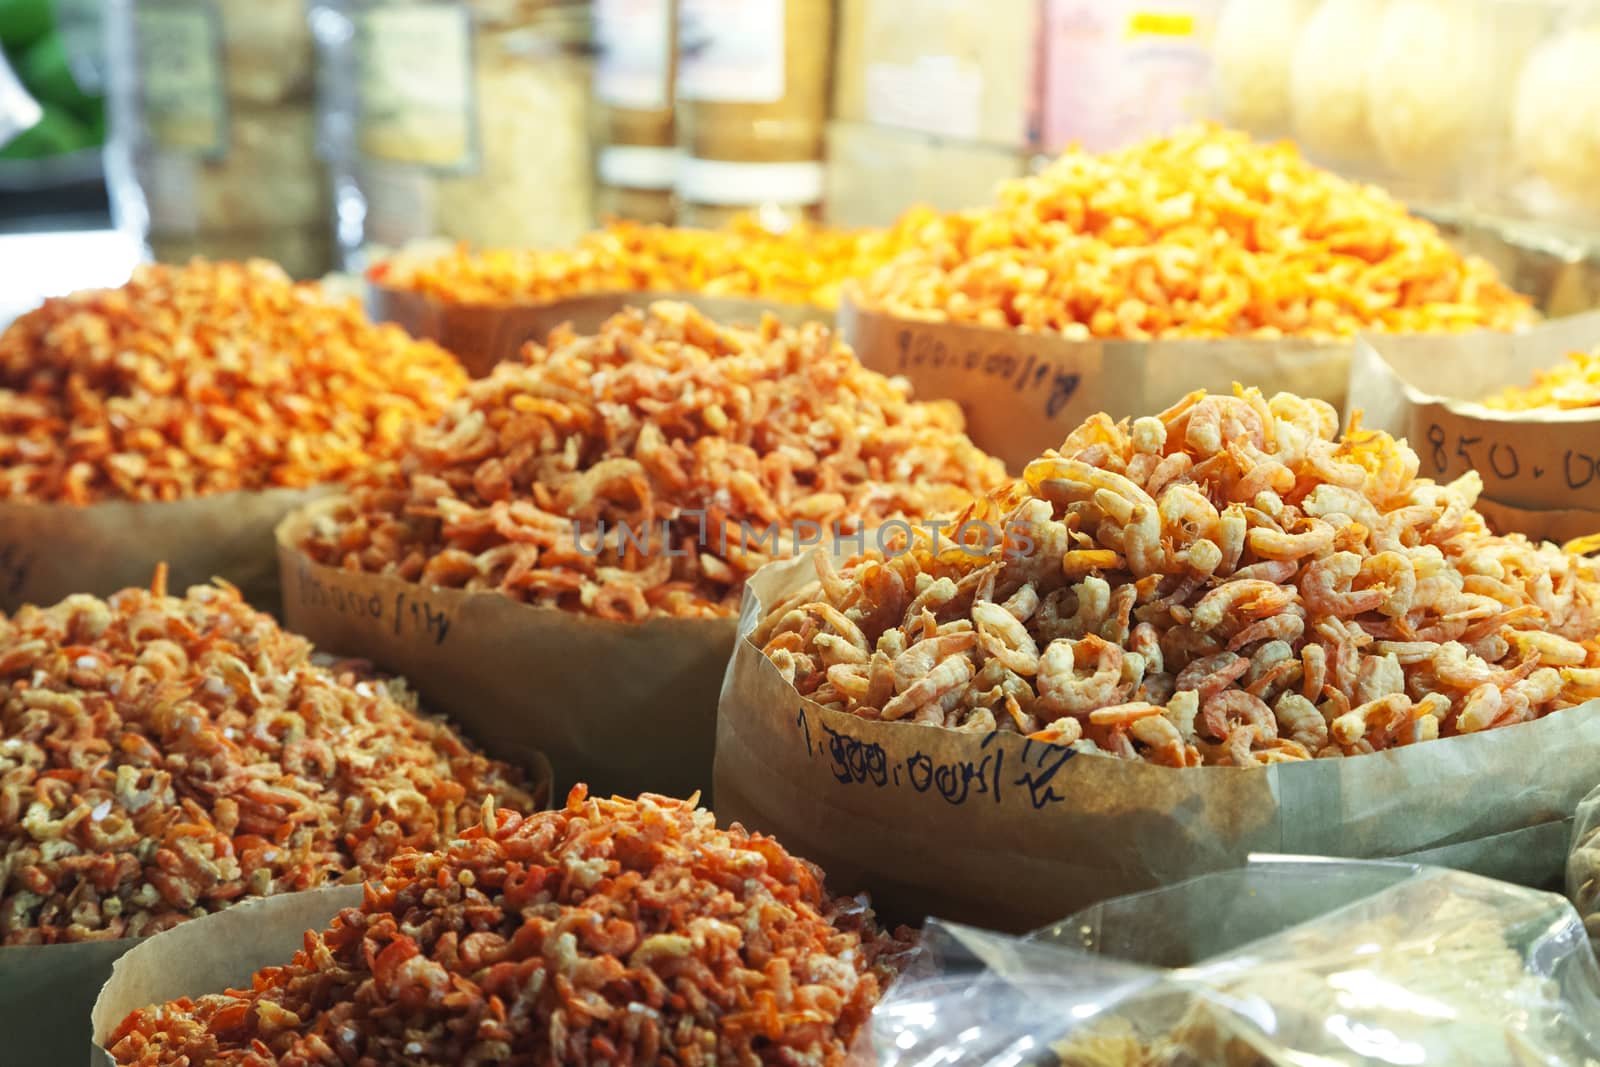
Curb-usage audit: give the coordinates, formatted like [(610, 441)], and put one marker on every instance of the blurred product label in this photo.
[(81, 24), (932, 94), (181, 75), (18, 110), (1116, 71), (635, 43), (731, 51), (414, 85)]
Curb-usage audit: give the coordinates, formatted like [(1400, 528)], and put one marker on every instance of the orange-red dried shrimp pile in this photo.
[(651, 468), (611, 932), (203, 379), (806, 265), (1230, 582), (162, 757), (1565, 386), (1199, 234)]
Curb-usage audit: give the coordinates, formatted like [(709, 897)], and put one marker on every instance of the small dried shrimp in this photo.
[(1230, 582), (610, 932), (650, 468), (202, 379), (1566, 386), (163, 757)]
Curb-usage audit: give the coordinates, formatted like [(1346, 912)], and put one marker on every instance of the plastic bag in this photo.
[(1308, 961), (1583, 865)]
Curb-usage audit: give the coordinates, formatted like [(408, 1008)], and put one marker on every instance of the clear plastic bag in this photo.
[(1583, 865), (1295, 962)]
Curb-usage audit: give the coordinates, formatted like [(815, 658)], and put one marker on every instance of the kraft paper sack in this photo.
[(624, 707), (1000, 831)]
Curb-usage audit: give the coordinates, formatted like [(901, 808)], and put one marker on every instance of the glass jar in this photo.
[(636, 61), (464, 121), (753, 88), (213, 123)]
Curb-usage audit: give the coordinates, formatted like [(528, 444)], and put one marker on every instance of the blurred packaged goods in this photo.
[(1486, 107), (636, 50), (950, 68), (214, 131), (875, 173), (752, 107), (469, 121), (1114, 72)]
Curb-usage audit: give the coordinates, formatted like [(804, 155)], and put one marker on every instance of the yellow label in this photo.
[(1160, 24)]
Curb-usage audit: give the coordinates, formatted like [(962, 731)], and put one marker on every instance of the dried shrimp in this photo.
[(805, 265), (650, 468), (163, 757), (610, 932), (1570, 385), (1199, 234), (203, 379), (1230, 582)]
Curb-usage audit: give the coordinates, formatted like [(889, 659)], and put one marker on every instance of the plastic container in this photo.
[(465, 121), (213, 132), (753, 90)]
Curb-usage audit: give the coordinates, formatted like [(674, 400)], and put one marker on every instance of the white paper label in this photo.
[(414, 82), (731, 51), (934, 94), (635, 43), (181, 76)]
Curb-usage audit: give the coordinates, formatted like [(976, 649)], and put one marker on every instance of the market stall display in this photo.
[(1513, 407), (632, 480), (1120, 282), (178, 417), (1231, 582), (608, 931), (167, 756)]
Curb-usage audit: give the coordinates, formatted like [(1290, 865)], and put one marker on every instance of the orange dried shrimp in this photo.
[(1228, 582), (610, 932), (1199, 234), (806, 265), (203, 379), (650, 468), (1566, 386), (162, 757)]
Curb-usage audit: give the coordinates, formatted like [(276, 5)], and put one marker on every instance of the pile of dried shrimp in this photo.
[(651, 468), (1566, 386), (202, 379), (806, 265), (610, 932), (1199, 234), (162, 757), (1229, 582)]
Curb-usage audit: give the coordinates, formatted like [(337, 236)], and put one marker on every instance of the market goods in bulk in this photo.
[(1199, 234), (162, 757), (203, 379), (610, 932), (1570, 385), (806, 265), (1231, 581), (649, 469)]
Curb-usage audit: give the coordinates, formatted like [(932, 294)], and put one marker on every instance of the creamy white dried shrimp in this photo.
[(1229, 582), (162, 757), (650, 468)]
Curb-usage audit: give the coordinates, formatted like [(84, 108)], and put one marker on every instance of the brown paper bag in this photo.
[(1024, 392), (1540, 469), (207, 955), (999, 831), (482, 335), (49, 551), (625, 707)]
